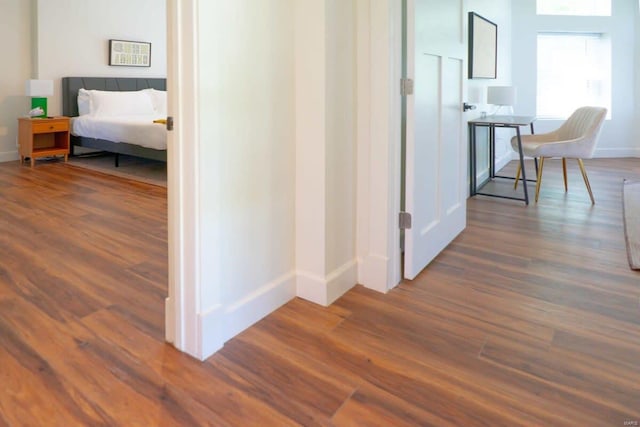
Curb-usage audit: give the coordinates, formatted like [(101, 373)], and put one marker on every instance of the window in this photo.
[(574, 7), (574, 70)]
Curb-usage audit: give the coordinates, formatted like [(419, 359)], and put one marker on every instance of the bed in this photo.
[(120, 134)]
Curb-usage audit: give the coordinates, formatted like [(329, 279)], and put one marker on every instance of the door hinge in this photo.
[(169, 123), (406, 87), (404, 220)]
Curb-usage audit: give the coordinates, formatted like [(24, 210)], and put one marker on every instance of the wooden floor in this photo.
[(531, 317)]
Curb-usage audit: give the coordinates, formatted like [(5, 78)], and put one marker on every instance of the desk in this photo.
[(493, 122)]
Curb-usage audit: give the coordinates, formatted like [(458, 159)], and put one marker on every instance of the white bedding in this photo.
[(138, 130)]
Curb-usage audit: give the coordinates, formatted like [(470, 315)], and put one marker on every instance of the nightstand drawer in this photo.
[(50, 126)]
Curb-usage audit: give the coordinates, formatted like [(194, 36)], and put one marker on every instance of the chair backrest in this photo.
[(585, 121), (584, 124)]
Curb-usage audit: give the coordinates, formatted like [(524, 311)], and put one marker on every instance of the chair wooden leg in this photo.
[(515, 184), (586, 181), (564, 173), (539, 178)]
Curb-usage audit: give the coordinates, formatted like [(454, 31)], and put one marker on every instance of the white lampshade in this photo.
[(501, 95), (39, 88)]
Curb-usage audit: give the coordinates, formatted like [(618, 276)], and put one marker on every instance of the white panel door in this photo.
[(436, 153)]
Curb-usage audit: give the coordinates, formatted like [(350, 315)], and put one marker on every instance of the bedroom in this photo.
[(73, 50)]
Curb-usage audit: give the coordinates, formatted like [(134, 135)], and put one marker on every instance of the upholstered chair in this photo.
[(576, 139)]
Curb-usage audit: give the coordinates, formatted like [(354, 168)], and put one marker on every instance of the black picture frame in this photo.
[(483, 47), (127, 53)]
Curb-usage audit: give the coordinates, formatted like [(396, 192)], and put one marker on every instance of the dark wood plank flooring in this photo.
[(531, 317)]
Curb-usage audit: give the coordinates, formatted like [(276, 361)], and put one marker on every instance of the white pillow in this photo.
[(159, 101), (84, 102), (131, 103)]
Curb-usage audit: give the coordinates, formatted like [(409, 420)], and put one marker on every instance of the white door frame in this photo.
[(379, 39), (182, 305)]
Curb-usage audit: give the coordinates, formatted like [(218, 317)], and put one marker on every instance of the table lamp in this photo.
[(502, 96), (39, 90)]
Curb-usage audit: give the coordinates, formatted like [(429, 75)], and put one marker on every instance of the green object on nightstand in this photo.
[(39, 102)]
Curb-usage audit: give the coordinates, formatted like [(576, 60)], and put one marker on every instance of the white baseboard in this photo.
[(247, 311), (324, 291), (617, 152), (204, 339), (500, 163), (373, 272), (210, 334), (506, 158), (219, 324), (608, 153), (311, 287), (341, 280), (9, 156)]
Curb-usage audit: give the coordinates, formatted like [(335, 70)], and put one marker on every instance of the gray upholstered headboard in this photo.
[(71, 85)]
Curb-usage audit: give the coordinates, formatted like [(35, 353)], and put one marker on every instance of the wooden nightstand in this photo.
[(43, 138)]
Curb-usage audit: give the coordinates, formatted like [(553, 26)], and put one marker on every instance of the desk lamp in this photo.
[(502, 96), (39, 90)]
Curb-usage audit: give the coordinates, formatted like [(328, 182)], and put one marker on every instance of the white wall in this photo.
[(498, 12), (15, 68), (325, 149), (73, 39), (341, 136), (617, 138), (276, 144), (310, 127), (247, 161)]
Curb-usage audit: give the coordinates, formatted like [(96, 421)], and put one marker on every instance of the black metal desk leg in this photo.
[(472, 160), (470, 152), (524, 178), (492, 152)]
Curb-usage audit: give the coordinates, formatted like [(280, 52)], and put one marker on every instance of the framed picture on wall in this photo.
[(483, 47), (126, 53)]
